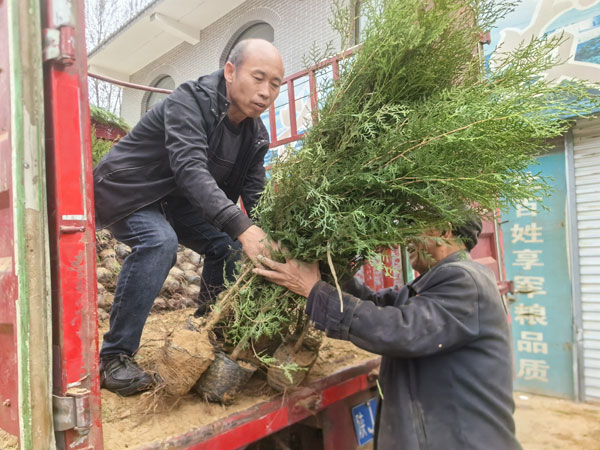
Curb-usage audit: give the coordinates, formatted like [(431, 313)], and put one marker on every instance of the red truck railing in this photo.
[(327, 401)]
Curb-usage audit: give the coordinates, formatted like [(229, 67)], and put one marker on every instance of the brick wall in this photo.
[(296, 23)]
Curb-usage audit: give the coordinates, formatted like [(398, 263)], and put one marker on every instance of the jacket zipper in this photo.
[(110, 174), (416, 409)]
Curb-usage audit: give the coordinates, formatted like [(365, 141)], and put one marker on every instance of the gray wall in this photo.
[(297, 24)]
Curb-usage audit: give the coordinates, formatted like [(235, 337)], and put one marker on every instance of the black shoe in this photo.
[(121, 374), (203, 309)]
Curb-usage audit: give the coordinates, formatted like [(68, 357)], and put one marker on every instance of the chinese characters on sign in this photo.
[(527, 233), (363, 417), (537, 261)]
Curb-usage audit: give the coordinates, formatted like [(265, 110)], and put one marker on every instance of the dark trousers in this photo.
[(153, 234)]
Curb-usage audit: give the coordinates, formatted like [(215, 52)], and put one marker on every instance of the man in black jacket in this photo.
[(446, 371), (176, 178)]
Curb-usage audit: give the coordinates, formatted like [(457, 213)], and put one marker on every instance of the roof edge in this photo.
[(123, 27)]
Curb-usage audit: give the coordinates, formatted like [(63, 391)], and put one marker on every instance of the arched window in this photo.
[(256, 30), (165, 82)]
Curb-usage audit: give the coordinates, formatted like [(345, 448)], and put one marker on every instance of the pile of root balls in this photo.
[(418, 127), (179, 291)]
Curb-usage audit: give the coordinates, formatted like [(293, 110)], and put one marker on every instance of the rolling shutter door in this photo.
[(586, 136)]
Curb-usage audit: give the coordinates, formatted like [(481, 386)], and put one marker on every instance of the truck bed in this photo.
[(341, 371)]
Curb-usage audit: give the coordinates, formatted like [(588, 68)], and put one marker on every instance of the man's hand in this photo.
[(254, 242), (297, 276)]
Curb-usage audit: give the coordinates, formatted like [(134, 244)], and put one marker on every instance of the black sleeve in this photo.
[(254, 183), (187, 146), (443, 318), (357, 289)]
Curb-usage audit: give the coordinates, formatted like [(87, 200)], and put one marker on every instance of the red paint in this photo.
[(255, 423), (314, 101), (9, 387), (388, 262), (369, 276), (272, 125), (247, 433), (295, 136), (338, 428), (343, 390), (107, 132), (485, 252), (500, 240), (71, 219), (292, 108), (335, 68)]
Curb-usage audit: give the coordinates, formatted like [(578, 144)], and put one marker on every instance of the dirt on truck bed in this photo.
[(129, 422), (543, 423)]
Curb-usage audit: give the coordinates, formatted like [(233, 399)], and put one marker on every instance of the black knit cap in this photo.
[(469, 231)]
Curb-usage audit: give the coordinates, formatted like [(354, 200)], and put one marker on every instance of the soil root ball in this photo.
[(176, 273), (186, 266), (122, 251), (112, 265), (184, 357), (107, 253), (105, 300), (288, 353), (170, 286), (224, 378), (104, 275), (192, 291), (192, 256), (192, 277)]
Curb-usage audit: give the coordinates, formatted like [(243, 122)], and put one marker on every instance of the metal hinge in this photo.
[(59, 45), (72, 412)]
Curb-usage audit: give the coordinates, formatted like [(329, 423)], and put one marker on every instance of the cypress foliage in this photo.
[(413, 130)]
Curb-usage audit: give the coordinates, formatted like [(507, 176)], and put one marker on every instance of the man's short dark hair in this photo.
[(238, 53)]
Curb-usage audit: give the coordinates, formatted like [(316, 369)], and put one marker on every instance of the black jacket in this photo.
[(174, 148), (446, 371)]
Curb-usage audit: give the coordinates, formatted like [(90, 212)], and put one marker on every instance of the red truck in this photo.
[(49, 383)]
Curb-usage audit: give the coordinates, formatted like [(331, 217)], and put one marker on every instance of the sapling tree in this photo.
[(414, 129)]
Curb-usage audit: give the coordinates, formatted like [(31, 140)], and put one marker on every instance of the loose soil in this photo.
[(184, 357), (543, 423), (129, 422), (8, 441)]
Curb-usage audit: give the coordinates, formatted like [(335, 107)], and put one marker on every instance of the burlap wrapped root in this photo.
[(183, 359)]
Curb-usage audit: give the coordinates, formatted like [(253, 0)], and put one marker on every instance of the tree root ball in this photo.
[(104, 275), (304, 357), (183, 359), (224, 378)]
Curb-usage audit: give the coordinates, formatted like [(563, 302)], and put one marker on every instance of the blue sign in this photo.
[(363, 417), (537, 261)]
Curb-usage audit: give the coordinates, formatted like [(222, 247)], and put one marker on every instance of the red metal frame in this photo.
[(266, 418), (72, 235), (294, 135), (130, 85), (107, 132)]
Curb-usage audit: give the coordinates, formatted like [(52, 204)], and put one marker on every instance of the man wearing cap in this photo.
[(446, 371)]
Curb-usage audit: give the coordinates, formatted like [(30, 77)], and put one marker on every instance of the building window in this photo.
[(165, 82), (256, 30), (361, 21)]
